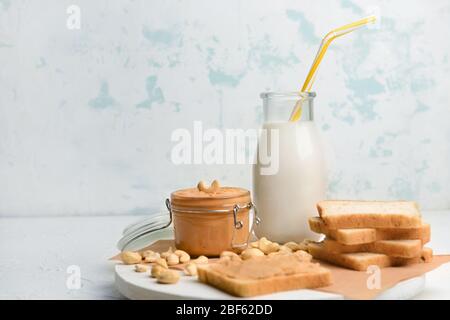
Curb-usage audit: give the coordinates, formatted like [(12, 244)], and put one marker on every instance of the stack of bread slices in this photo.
[(364, 233)]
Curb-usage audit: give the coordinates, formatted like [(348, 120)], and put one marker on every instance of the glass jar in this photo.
[(289, 176), (208, 223)]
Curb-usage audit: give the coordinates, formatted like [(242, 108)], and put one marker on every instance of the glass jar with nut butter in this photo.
[(208, 220)]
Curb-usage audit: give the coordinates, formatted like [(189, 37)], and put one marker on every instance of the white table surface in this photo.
[(35, 254)]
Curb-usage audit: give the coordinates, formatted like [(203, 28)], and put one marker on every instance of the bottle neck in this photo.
[(279, 106)]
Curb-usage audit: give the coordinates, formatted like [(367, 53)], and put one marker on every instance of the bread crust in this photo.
[(427, 254)]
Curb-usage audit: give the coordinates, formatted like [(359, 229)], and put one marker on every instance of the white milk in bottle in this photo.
[(285, 198)]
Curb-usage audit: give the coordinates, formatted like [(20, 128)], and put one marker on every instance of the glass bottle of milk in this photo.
[(289, 176)]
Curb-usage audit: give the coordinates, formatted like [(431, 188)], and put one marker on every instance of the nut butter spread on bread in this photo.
[(264, 275)]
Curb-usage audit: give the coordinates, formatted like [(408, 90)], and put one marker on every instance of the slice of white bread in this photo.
[(367, 235), (427, 254), (344, 236), (360, 261), (392, 248), (344, 214), (264, 275)]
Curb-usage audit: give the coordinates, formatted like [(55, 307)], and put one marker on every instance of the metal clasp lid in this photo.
[(238, 224), (169, 207)]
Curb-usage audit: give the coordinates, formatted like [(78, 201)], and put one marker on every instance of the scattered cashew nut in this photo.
[(292, 245), (173, 259), (152, 257), (183, 256), (304, 245), (201, 260), (229, 255), (180, 252), (156, 270), (162, 262), (147, 253), (303, 255), (190, 269), (285, 249), (251, 253), (254, 244), (225, 258), (167, 253), (130, 257), (140, 268), (278, 253), (168, 276), (267, 246)]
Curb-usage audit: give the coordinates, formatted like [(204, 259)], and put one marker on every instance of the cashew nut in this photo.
[(156, 270), (292, 245), (190, 269), (147, 253), (201, 260), (183, 255), (162, 262), (168, 276), (167, 253), (185, 258), (140, 268), (229, 254), (230, 258), (152, 257), (267, 246), (212, 189), (304, 244), (130, 257), (172, 259), (251, 253), (225, 258), (254, 244), (263, 240), (303, 255), (278, 253), (285, 249), (179, 252)]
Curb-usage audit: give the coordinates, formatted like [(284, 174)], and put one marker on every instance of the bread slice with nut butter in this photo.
[(265, 274), (341, 214)]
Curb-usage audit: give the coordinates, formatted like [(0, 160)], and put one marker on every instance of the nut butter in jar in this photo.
[(209, 220)]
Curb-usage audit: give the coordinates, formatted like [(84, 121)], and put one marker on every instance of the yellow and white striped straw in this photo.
[(333, 34)]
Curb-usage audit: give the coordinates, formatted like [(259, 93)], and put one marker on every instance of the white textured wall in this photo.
[(86, 115)]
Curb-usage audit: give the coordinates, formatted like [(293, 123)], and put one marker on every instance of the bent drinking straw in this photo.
[(333, 34)]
